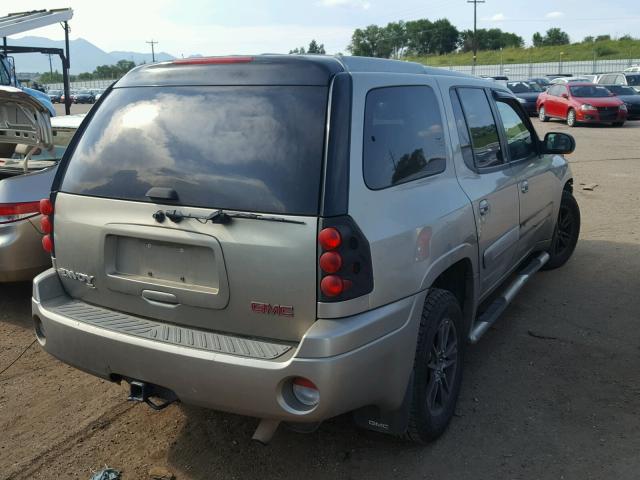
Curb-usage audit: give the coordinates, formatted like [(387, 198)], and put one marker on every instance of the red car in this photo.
[(581, 102)]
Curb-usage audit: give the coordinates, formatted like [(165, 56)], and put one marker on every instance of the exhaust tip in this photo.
[(265, 431)]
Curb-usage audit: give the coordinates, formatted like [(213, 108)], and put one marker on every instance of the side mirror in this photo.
[(558, 143)]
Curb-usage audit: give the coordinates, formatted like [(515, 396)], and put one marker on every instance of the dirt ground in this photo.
[(552, 391)]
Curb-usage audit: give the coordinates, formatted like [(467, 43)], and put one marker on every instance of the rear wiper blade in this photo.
[(218, 216)]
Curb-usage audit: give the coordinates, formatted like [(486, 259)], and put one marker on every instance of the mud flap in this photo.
[(393, 422)]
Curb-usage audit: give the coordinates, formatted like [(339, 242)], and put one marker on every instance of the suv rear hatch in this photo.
[(195, 201)]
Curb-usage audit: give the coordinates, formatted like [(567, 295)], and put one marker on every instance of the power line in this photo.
[(475, 24), (153, 43)]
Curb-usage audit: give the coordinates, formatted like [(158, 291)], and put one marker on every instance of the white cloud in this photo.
[(363, 4), (554, 15), (498, 17)]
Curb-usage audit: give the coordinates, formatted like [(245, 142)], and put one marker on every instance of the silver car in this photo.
[(31, 146), (296, 237)]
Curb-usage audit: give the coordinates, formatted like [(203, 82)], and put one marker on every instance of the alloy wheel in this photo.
[(442, 365)]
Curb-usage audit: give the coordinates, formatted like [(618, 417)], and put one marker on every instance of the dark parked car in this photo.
[(581, 103), (630, 97), (84, 96), (55, 95), (543, 82), (631, 79), (527, 93)]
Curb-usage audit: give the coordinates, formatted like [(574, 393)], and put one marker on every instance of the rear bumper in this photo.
[(21, 253), (356, 361)]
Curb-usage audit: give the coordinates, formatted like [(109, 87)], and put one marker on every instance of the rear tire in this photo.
[(566, 233), (542, 114), (571, 118), (437, 369)]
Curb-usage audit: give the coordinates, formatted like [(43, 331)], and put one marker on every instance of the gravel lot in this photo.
[(551, 392)]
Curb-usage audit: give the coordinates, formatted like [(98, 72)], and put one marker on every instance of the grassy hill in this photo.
[(605, 50)]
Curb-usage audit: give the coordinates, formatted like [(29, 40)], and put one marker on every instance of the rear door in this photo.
[(489, 183), (197, 205)]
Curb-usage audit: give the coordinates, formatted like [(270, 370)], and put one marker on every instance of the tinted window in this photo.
[(403, 136), (463, 131), (243, 148), (590, 91), (518, 135), (482, 126), (621, 90), (633, 80)]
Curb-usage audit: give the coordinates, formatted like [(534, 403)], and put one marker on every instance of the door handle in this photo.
[(483, 207), (524, 186)]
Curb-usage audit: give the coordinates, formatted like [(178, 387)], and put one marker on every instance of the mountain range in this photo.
[(84, 55)]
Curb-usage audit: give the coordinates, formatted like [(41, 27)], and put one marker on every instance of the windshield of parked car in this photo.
[(633, 80), (589, 91), (55, 92), (251, 148), (524, 87), (621, 90)]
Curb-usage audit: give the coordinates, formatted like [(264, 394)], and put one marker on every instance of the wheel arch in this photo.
[(457, 272)]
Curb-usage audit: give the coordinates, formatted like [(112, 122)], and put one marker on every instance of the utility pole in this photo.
[(475, 37), (153, 43), (50, 68)]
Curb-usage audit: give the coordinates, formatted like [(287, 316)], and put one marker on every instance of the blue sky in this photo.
[(212, 27)]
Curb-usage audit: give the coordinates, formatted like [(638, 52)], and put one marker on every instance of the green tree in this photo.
[(48, 77), (396, 36), (315, 48), (538, 40), (603, 38), (419, 36), (370, 42), (555, 36), (445, 36), (297, 51), (588, 39)]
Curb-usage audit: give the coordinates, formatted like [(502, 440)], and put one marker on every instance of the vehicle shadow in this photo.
[(15, 304), (545, 367)]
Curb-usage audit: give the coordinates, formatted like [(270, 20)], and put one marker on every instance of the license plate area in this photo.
[(187, 265), (165, 263)]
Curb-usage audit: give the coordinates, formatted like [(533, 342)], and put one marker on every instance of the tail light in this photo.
[(14, 212), (344, 261), (45, 207)]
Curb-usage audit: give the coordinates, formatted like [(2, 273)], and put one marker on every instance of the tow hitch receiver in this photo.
[(143, 392)]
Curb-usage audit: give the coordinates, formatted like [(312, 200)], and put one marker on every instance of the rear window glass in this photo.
[(240, 148), (403, 136)]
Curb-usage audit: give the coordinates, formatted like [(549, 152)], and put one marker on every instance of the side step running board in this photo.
[(489, 317)]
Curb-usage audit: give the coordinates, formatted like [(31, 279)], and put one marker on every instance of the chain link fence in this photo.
[(520, 71), (81, 85)]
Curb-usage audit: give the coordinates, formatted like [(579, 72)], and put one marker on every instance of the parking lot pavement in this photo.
[(551, 392), (75, 108)]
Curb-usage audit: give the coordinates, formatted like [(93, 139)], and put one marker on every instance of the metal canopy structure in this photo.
[(16, 23)]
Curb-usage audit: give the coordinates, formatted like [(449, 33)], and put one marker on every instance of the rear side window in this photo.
[(250, 148), (403, 136), (482, 127)]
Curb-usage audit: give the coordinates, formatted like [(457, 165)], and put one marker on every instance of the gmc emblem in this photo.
[(268, 309)]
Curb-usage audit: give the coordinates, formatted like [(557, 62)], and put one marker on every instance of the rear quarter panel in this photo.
[(415, 230)]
